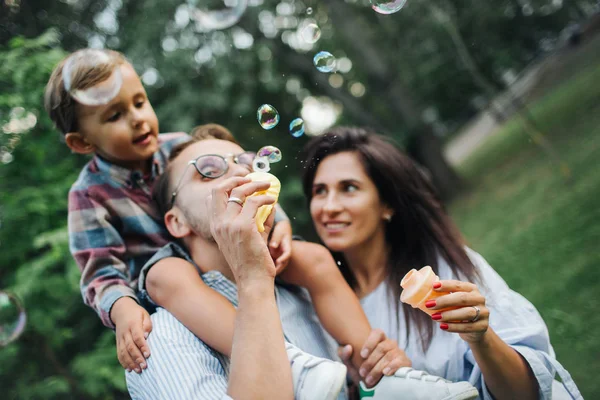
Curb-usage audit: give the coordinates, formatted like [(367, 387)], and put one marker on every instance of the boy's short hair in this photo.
[(58, 102), (163, 192)]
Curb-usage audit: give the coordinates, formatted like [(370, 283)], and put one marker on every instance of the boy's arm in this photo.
[(99, 250)]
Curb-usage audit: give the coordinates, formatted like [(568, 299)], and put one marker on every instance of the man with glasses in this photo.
[(218, 248)]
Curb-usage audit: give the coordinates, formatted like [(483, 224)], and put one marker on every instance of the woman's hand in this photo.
[(465, 320), (382, 357)]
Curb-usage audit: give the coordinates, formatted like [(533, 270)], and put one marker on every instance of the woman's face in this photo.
[(345, 206)]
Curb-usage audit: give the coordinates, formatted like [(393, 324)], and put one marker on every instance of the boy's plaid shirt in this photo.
[(114, 228)]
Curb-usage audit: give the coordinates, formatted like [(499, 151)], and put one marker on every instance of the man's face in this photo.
[(193, 188)]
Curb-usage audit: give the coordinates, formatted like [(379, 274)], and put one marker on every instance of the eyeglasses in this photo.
[(213, 166)]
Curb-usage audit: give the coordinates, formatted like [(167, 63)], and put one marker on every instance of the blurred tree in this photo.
[(64, 353)]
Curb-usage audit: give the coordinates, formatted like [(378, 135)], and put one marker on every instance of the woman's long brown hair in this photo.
[(420, 230)]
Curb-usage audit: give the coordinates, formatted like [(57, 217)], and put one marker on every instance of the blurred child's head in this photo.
[(96, 99)]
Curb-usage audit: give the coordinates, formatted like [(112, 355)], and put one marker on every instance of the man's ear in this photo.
[(78, 143), (176, 223)]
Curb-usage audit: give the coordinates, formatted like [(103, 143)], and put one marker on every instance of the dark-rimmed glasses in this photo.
[(213, 166)]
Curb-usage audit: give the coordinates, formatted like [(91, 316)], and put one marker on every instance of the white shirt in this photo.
[(512, 317)]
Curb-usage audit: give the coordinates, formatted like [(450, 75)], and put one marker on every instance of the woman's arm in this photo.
[(507, 375)]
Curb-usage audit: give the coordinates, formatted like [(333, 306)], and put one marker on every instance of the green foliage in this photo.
[(65, 352)]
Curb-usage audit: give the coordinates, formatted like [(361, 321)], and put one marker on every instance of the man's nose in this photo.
[(236, 169)]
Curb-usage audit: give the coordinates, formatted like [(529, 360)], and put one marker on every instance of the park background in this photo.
[(500, 100)]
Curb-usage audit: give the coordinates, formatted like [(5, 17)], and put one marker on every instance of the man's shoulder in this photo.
[(169, 250)]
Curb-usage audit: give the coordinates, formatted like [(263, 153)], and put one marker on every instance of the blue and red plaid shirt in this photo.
[(114, 228)]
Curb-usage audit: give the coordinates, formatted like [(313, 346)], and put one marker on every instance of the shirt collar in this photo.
[(127, 177)]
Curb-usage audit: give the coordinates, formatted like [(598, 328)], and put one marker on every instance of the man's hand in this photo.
[(280, 245), (133, 326), (234, 228)]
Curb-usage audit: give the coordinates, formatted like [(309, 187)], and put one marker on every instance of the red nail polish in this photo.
[(444, 326), (436, 316), (437, 285), (430, 303)]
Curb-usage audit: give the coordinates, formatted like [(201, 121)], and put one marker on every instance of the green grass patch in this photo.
[(540, 233)]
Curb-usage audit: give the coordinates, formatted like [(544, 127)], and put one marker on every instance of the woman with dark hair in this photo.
[(380, 216)]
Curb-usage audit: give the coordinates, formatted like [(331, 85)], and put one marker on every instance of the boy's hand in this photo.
[(280, 246), (133, 326)]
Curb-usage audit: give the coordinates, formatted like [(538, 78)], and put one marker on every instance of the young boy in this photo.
[(97, 100)]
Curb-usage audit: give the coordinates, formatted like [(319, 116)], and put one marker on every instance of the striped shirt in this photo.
[(114, 228), (183, 367)]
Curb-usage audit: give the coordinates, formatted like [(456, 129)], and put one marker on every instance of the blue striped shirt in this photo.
[(183, 367)]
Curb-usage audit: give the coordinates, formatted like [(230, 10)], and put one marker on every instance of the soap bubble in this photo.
[(12, 318), (91, 59), (310, 32), (271, 153), (309, 10), (267, 116), (261, 164), (218, 14), (297, 127), (387, 6), (324, 61)]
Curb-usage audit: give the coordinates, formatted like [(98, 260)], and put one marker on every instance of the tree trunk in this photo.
[(427, 150)]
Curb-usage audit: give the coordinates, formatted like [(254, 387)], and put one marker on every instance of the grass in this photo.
[(540, 233)]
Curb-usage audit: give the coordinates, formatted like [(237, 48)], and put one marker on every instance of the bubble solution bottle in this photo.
[(418, 289)]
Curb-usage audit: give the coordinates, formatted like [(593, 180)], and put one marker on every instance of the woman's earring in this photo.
[(387, 217)]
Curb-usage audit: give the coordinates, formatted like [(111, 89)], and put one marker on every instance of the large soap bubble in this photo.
[(387, 6), (310, 31), (261, 164), (12, 318), (271, 153), (324, 61), (218, 14), (90, 59), (267, 116)]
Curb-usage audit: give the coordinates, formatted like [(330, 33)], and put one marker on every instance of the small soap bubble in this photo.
[(310, 32), (12, 318), (261, 164), (91, 59), (387, 6), (297, 127), (271, 153), (309, 10), (217, 14), (324, 61), (267, 116)]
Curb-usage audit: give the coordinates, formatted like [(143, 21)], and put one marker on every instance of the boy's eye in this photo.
[(114, 117), (139, 104)]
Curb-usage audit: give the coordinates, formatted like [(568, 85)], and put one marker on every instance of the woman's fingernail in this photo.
[(146, 335), (386, 370), (128, 369), (362, 372), (444, 326), (146, 354), (369, 380), (139, 371), (364, 353), (143, 365), (437, 285), (436, 316), (430, 303)]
